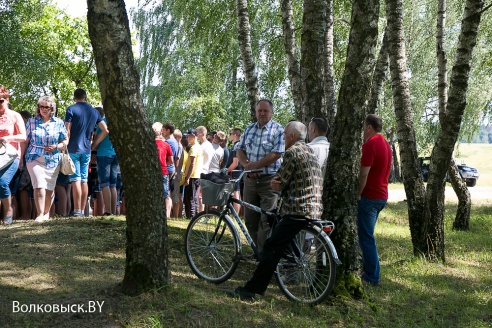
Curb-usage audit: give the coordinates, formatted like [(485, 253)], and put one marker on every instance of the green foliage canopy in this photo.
[(45, 52)]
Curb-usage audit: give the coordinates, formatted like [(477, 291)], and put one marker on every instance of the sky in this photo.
[(78, 8)]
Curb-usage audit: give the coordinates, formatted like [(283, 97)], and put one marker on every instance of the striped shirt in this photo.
[(301, 182), (257, 142), (40, 135)]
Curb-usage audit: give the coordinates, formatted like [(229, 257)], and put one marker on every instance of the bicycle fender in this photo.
[(330, 245)]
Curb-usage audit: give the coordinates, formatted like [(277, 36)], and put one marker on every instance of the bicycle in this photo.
[(307, 271)]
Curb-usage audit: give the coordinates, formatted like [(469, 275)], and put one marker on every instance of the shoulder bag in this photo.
[(7, 154), (66, 164)]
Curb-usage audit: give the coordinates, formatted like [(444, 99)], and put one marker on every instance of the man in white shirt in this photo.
[(317, 130), (208, 149), (218, 155)]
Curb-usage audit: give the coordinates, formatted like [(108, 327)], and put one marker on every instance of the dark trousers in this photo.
[(258, 192), (282, 235), (190, 199)]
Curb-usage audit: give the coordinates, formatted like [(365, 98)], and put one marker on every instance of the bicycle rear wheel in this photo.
[(211, 247), (307, 271)]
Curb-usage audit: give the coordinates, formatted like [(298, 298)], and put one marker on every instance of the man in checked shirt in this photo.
[(261, 147)]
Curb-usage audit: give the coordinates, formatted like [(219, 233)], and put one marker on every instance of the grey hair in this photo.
[(50, 103), (297, 128), (157, 127)]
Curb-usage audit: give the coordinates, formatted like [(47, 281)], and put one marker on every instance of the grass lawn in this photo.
[(76, 261)]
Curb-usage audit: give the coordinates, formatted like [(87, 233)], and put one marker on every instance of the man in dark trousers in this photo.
[(299, 178), (261, 147), (375, 167)]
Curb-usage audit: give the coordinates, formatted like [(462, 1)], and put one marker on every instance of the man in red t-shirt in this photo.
[(375, 166), (165, 156)]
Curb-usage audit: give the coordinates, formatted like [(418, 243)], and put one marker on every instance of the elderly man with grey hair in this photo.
[(299, 179)]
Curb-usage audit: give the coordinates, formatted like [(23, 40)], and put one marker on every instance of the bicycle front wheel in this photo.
[(211, 247), (306, 272)]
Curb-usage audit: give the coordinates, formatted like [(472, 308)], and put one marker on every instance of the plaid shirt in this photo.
[(301, 182), (257, 142), (40, 135)]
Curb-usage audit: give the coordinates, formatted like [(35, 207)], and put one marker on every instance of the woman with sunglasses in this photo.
[(13, 131), (46, 137)]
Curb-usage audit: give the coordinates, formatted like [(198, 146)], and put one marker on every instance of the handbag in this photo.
[(66, 164), (8, 154)]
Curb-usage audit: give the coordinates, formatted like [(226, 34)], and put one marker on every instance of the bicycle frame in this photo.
[(317, 225), (239, 222)]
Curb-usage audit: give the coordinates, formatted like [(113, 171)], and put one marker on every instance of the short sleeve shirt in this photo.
[(105, 148), (163, 152), (196, 152), (83, 118), (257, 142), (376, 153), (40, 135)]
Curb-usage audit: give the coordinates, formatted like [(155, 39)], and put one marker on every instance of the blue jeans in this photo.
[(6, 175), (367, 216), (81, 162), (107, 170), (165, 183)]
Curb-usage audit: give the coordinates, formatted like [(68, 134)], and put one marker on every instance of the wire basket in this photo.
[(215, 194)]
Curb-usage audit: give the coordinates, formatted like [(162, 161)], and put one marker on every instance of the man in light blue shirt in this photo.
[(261, 147)]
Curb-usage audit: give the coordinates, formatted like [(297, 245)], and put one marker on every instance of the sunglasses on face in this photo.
[(44, 107)]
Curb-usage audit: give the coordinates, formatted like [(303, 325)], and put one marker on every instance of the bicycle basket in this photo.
[(215, 194)]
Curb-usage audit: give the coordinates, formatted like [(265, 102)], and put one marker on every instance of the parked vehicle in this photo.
[(467, 173)]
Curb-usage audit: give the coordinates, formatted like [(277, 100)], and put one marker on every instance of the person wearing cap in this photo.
[(193, 169), (261, 147)]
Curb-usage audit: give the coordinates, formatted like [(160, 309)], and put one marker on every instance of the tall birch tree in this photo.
[(146, 247), (341, 181), (249, 67)]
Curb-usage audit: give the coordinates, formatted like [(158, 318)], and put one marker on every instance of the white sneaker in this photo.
[(39, 219), (42, 218)]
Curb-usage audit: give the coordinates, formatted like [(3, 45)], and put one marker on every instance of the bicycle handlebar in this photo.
[(246, 172)]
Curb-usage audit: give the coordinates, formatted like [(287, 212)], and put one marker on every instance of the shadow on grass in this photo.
[(77, 261), (59, 262)]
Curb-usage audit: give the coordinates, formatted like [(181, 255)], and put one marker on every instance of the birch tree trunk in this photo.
[(330, 101), (249, 68), (412, 178), (379, 77), (341, 181), (462, 220), (294, 67), (312, 48), (450, 128), (146, 251)]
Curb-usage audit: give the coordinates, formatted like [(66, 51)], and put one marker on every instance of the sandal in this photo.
[(7, 220)]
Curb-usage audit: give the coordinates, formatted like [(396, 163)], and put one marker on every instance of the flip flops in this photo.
[(7, 220)]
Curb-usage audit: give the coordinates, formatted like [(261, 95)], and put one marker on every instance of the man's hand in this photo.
[(250, 166), (275, 183)]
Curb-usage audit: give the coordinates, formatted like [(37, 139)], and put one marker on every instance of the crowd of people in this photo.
[(32, 186), (286, 161)]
